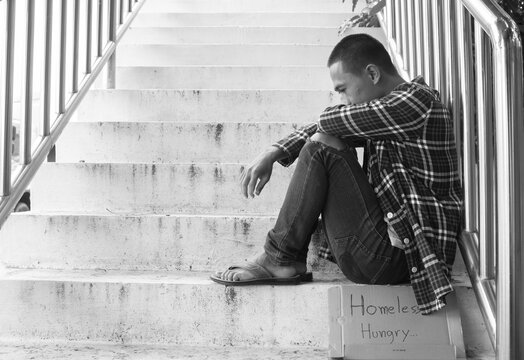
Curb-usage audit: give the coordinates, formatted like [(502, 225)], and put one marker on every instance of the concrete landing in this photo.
[(86, 351)]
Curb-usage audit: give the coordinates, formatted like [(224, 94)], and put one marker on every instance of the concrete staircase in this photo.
[(143, 201)]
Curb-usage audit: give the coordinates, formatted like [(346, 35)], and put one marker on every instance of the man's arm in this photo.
[(400, 115), (293, 143), (256, 175)]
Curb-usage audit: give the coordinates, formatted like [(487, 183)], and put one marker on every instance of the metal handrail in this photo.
[(113, 18), (470, 50)]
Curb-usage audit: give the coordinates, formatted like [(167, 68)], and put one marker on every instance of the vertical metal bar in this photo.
[(448, 36), (27, 108), (89, 36), (404, 21), (113, 26), (398, 27), (111, 64), (130, 6), (410, 21), (419, 41), (466, 84), (63, 59), (436, 16), (390, 19), (121, 12), (485, 140), (452, 101), (439, 49), (76, 45), (100, 27), (6, 101), (46, 105), (428, 42)]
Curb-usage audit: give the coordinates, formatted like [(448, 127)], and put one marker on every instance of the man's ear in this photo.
[(373, 72)]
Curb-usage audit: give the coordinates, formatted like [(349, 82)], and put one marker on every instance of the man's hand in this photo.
[(256, 175)]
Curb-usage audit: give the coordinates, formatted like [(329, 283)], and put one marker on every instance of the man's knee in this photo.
[(329, 140)]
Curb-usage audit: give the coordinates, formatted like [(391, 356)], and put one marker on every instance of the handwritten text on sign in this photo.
[(389, 331)]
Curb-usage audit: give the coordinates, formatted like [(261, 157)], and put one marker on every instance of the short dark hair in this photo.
[(358, 51)]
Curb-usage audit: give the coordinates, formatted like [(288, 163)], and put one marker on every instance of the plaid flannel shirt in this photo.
[(412, 166)]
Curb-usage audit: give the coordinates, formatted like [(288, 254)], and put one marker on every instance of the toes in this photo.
[(229, 275)]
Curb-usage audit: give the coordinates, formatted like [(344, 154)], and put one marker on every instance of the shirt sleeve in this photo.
[(293, 143), (400, 115)]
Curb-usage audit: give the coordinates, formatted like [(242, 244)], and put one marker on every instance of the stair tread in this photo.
[(169, 277), (90, 351), (141, 277)]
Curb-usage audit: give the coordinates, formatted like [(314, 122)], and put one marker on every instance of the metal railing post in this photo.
[(427, 33), (466, 81), (46, 91), (419, 41), (63, 59), (76, 44), (27, 108), (111, 65), (89, 36), (485, 141), (6, 99)]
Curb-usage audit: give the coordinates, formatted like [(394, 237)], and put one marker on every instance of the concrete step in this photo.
[(153, 242), (222, 54), (161, 308), (294, 106), (205, 6), (167, 142), (235, 18), (152, 189), (23, 350), (224, 77), (184, 308), (232, 35)]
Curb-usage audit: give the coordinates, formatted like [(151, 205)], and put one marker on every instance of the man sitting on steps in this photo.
[(396, 219)]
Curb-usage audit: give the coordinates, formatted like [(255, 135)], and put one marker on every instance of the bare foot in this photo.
[(262, 260)]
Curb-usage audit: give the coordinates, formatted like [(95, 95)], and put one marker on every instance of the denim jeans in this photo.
[(331, 183)]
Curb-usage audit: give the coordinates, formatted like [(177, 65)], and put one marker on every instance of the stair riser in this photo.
[(233, 35), (153, 243), (205, 105), (235, 6), (164, 19), (152, 188), (199, 77), (201, 313), (149, 142), (211, 54)]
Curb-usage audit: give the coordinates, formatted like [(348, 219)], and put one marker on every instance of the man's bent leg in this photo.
[(288, 241), (354, 225), (331, 182)]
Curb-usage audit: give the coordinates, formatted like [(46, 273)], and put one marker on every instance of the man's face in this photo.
[(353, 88)]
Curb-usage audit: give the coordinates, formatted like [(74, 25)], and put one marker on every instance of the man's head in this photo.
[(361, 69)]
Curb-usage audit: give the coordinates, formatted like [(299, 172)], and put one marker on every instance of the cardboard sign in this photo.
[(383, 322)]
